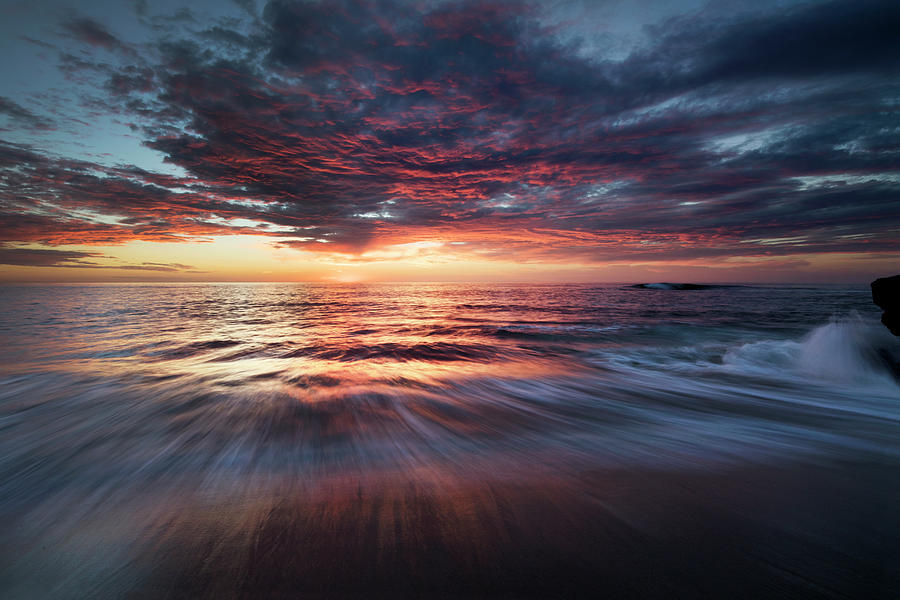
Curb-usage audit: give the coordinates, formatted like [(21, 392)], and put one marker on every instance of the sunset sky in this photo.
[(607, 141)]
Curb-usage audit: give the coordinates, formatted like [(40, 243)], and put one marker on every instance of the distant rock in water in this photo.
[(886, 294), (675, 286)]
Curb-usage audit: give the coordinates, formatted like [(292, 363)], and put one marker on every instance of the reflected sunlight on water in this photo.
[(246, 440)]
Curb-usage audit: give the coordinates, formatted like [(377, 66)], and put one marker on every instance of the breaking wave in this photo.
[(847, 351)]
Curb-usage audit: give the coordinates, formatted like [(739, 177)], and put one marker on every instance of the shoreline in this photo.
[(806, 531)]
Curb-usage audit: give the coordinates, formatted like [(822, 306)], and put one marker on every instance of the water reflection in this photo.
[(276, 440)]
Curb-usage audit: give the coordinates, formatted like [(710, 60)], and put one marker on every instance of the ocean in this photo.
[(447, 440)]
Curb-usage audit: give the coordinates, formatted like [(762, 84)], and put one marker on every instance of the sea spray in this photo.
[(848, 351)]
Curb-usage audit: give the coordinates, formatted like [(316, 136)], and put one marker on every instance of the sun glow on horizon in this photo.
[(260, 258)]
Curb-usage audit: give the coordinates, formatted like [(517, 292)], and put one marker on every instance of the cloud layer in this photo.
[(349, 126)]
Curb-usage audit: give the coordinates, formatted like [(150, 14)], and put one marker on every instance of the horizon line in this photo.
[(369, 282)]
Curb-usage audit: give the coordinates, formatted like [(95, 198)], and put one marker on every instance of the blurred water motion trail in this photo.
[(247, 441)]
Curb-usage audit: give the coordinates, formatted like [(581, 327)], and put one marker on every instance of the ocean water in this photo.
[(301, 440)]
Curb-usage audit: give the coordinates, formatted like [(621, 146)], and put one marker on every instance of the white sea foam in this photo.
[(849, 351)]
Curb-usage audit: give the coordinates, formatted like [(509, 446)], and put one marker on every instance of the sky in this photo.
[(437, 140)]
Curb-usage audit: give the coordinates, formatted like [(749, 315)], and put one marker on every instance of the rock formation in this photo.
[(674, 286), (886, 294)]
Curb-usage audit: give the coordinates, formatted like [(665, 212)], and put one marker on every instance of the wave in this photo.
[(435, 352), (849, 350), (179, 432), (195, 348), (830, 389)]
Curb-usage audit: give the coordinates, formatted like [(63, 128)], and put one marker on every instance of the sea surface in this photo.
[(447, 440)]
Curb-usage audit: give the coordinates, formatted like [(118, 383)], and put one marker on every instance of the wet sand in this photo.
[(824, 531)]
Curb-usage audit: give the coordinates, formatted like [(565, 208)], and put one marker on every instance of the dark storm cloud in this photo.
[(346, 125), (22, 115), (31, 257), (815, 39), (95, 34), (42, 258), (57, 201)]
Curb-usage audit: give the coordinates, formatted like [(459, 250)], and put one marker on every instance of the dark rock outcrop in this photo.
[(886, 294)]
